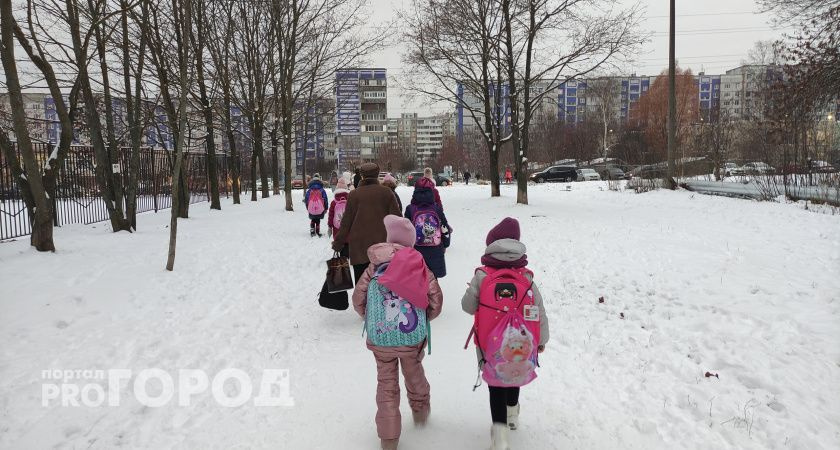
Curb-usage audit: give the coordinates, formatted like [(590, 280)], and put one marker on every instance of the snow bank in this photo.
[(746, 290)]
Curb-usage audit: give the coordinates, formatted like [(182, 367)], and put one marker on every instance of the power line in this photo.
[(722, 13)]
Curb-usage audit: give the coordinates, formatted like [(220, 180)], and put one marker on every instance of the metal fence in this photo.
[(76, 198)]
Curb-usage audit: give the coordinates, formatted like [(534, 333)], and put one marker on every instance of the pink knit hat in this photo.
[(390, 178), (400, 231), (342, 183)]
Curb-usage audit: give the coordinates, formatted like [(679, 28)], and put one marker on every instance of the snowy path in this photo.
[(748, 290)]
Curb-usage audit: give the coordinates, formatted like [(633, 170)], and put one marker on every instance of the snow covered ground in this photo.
[(746, 290)]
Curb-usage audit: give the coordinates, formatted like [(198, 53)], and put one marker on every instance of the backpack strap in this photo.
[(428, 336)]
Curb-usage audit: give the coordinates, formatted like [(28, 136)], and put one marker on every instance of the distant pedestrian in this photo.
[(316, 202), (357, 178), (427, 174), (478, 176), (361, 225), (390, 182), (467, 178), (508, 176), (337, 208), (348, 180)]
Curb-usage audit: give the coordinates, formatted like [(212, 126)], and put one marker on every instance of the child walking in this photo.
[(431, 227), (337, 207), (397, 295), (316, 202), (510, 327)]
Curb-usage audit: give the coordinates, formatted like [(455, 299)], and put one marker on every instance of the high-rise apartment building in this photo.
[(361, 98)]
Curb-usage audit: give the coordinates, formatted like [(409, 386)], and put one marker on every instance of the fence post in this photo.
[(154, 180), (54, 186)]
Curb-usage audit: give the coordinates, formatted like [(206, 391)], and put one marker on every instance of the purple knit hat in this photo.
[(508, 228)]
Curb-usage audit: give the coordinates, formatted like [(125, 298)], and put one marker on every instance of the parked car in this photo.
[(442, 179), (613, 173), (555, 174), (587, 175), (818, 166), (297, 183), (413, 177), (758, 168), (731, 169)]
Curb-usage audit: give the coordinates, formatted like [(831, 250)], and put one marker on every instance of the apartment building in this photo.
[(361, 114)]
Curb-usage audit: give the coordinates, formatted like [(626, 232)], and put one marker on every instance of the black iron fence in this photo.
[(76, 197)]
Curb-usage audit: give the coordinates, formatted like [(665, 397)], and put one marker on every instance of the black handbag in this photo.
[(333, 300), (339, 275)]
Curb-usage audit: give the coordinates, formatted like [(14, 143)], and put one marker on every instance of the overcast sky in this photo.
[(712, 36)]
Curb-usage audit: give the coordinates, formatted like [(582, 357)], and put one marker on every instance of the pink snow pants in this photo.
[(388, 419)]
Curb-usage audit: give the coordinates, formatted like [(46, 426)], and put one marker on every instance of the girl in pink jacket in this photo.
[(406, 273)]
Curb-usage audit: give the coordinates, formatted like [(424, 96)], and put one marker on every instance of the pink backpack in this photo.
[(507, 327), (338, 212), (316, 205)]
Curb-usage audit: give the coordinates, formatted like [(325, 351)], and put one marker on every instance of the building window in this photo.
[(374, 94)]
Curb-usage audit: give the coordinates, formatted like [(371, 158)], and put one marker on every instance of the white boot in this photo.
[(513, 416), (499, 437)]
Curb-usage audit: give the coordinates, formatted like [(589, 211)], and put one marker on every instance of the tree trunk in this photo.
[(183, 57), (275, 169), (254, 174), (261, 157), (287, 146), (104, 170), (112, 145), (41, 214), (207, 109), (133, 116)]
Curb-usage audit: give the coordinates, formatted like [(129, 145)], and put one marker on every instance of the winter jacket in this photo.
[(507, 249), (423, 198), (313, 185), (362, 224), (339, 194), (399, 200), (382, 253), (430, 184)]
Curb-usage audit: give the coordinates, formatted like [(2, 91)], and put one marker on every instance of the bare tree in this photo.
[(315, 38), (254, 69), (182, 18), (30, 42), (604, 91), (104, 143), (454, 56), (133, 101), (221, 30), (29, 176), (198, 39)]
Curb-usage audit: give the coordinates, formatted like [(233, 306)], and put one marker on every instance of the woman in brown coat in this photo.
[(362, 224)]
